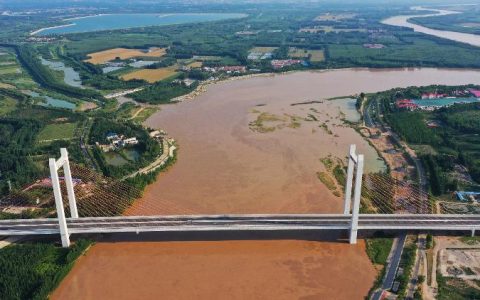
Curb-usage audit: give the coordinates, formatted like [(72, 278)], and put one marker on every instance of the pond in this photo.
[(131, 154), (71, 77), (115, 159), (122, 21), (49, 101)]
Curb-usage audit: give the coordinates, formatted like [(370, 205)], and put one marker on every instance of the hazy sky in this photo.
[(30, 4)]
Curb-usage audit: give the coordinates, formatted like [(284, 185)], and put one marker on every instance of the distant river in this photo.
[(123, 21), (403, 21)]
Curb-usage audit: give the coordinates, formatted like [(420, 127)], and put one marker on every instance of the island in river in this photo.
[(226, 166)]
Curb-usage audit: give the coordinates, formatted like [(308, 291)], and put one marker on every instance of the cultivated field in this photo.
[(6, 86), (151, 75), (315, 55), (123, 53)]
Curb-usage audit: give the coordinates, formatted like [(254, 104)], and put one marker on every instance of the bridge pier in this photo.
[(473, 233)]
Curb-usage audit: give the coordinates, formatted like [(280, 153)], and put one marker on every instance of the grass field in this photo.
[(151, 75), (145, 114), (123, 53), (10, 69), (195, 64), (54, 132), (7, 105), (315, 55)]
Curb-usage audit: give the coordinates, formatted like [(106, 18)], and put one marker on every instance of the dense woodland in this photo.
[(163, 92), (33, 270)]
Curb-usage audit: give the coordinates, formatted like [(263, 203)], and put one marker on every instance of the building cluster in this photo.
[(187, 81), (458, 96), (41, 39), (226, 69), (468, 196), (247, 32), (260, 55), (280, 63), (117, 142), (373, 46), (157, 134), (406, 104), (433, 95)]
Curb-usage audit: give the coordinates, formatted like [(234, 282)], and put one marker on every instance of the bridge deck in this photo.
[(241, 223)]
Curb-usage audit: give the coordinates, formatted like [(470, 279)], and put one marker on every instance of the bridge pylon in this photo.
[(355, 165), (55, 165)]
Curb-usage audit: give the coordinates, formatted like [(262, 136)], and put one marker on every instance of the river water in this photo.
[(226, 167), (402, 21)]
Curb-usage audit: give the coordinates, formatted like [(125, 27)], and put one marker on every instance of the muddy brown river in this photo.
[(245, 149)]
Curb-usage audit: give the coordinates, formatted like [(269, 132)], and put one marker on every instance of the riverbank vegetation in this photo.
[(163, 92), (445, 139), (378, 249), (34, 270)]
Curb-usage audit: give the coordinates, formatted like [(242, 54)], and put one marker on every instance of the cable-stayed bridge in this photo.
[(379, 194)]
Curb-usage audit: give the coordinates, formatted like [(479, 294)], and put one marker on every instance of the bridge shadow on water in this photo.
[(337, 236), (201, 236)]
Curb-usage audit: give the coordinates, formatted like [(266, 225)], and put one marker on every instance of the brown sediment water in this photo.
[(225, 165)]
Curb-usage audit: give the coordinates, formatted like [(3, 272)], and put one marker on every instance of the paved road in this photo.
[(241, 222)]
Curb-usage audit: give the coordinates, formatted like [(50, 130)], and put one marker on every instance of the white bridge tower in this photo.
[(355, 165), (55, 165)]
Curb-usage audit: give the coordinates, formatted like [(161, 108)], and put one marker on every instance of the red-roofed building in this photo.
[(475, 93), (406, 103), (433, 96)]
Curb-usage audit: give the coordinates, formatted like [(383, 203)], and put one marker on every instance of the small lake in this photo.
[(49, 101), (115, 159), (71, 77), (123, 21)]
